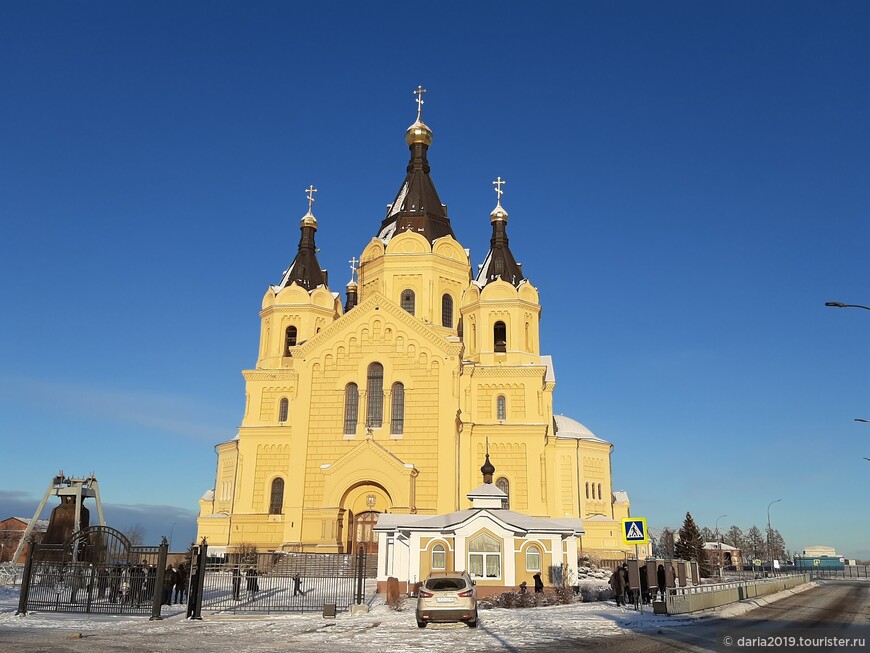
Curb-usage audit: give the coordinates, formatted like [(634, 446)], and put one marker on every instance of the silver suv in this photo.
[(447, 596)]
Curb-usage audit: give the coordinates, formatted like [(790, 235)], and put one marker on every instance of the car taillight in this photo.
[(426, 595), (466, 593)]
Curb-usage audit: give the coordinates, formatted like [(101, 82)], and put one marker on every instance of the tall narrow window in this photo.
[(587, 489), (408, 301), (283, 408), (505, 486), (599, 491), (276, 497), (501, 408), (397, 410), (499, 334), (447, 311), (375, 396), (593, 490), (439, 557), (351, 408), (289, 339)]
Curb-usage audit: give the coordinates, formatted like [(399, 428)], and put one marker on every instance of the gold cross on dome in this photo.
[(498, 183), (419, 93), (310, 194)]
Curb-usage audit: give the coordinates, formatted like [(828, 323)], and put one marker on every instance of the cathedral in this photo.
[(391, 402)]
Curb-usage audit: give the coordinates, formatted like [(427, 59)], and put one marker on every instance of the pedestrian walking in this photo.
[(297, 584), (180, 583), (251, 582), (539, 584), (618, 586), (237, 583)]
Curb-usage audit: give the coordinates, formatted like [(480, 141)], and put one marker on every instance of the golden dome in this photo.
[(419, 132), (498, 214), (308, 220)]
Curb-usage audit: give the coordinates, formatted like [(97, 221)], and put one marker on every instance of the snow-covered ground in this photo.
[(381, 629)]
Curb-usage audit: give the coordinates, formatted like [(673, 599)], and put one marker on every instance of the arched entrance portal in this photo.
[(363, 504)]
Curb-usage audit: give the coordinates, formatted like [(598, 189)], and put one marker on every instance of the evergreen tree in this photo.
[(691, 546)]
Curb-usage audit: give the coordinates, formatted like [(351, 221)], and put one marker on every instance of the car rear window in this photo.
[(442, 584)]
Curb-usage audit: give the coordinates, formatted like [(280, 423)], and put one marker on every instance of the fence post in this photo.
[(157, 599), (197, 581), (25, 579), (360, 571)]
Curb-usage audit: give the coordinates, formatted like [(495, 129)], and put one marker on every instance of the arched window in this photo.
[(533, 559), (501, 408), (484, 557), (351, 408), (593, 490), (289, 339), (439, 557), (447, 311), (283, 407), (408, 301), (587, 489), (505, 486), (600, 496), (276, 497), (397, 409), (499, 334), (528, 342), (375, 396)]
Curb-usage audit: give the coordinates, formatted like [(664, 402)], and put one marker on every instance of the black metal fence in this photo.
[(99, 571), (283, 582)]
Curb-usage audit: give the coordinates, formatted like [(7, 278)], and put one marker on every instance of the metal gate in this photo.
[(98, 571), (283, 582)]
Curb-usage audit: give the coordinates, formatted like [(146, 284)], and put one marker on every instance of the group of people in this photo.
[(623, 592), (175, 584), (251, 584), (539, 584)]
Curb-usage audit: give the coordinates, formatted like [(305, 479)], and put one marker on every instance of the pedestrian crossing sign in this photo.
[(634, 531)]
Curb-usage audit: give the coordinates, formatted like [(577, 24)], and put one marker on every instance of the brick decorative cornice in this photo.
[(271, 375), (509, 371)]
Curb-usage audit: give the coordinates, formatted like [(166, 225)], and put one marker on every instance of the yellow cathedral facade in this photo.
[(389, 403)]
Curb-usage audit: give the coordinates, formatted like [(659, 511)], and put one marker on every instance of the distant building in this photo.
[(719, 553), (819, 557), (11, 531)]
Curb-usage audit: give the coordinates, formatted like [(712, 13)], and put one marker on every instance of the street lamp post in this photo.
[(842, 305), (769, 551), (719, 544)]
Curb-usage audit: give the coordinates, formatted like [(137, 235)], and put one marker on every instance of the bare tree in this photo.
[(754, 542), (666, 543), (136, 535), (734, 537)]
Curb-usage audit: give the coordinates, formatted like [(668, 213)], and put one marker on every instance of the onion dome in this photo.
[(488, 469), (419, 132)]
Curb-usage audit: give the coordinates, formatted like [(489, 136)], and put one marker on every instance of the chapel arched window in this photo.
[(439, 557), (533, 559), (283, 409), (484, 557)]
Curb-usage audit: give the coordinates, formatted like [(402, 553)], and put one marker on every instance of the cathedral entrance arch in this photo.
[(363, 504)]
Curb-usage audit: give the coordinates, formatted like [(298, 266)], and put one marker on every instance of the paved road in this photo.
[(836, 608)]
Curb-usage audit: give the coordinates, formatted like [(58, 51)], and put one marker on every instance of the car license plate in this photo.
[(446, 599)]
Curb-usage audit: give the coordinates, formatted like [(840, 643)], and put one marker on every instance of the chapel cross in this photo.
[(498, 183), (419, 93), (310, 194)]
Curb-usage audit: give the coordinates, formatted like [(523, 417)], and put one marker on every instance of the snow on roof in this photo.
[(714, 546), (550, 376), (570, 429), (620, 496), (209, 495), (487, 490), (453, 520)]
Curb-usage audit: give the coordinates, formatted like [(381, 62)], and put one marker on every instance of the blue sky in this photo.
[(687, 185)]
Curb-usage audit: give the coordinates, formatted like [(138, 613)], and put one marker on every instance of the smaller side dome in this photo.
[(571, 429), (419, 132)]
